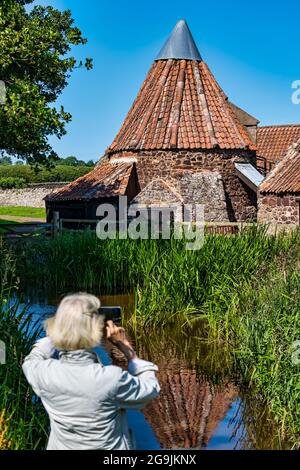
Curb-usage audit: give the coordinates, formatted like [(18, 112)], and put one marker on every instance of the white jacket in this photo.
[(85, 400)]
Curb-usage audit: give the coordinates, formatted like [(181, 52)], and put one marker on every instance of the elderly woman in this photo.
[(85, 400)]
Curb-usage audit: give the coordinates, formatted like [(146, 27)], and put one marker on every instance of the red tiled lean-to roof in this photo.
[(106, 180), (273, 141), (285, 177)]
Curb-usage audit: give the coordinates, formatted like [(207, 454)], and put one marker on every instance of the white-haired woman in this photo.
[(85, 400)]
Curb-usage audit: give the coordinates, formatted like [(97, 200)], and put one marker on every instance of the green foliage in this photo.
[(11, 182), (28, 423), (260, 320), (5, 160), (73, 161), (7, 267), (169, 279), (59, 173), (35, 64)]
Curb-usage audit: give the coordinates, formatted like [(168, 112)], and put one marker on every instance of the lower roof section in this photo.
[(285, 177), (106, 180)]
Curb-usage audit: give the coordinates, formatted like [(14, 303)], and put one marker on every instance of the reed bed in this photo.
[(170, 282), (23, 422), (266, 322)]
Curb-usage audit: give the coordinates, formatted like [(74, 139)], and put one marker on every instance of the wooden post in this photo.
[(55, 224)]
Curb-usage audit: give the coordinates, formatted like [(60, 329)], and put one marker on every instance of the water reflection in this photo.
[(201, 405)]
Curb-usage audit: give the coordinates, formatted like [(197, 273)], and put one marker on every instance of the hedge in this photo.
[(59, 173), (11, 182)]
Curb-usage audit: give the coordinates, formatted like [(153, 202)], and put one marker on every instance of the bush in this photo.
[(57, 174), (11, 182)]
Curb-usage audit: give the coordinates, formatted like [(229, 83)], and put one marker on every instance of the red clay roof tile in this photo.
[(273, 141), (285, 177), (106, 180), (180, 105)]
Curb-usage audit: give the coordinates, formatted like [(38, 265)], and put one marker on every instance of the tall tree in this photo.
[(35, 65)]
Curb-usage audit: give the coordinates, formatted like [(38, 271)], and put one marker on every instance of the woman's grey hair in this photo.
[(77, 323)]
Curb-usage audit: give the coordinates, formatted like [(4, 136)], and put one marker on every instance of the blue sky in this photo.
[(251, 47)]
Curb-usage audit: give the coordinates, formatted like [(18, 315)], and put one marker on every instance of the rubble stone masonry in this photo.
[(171, 165), (279, 209), (33, 196), (205, 188)]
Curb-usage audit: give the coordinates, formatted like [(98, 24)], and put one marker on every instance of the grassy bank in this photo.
[(23, 422)]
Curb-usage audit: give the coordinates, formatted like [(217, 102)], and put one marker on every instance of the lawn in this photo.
[(21, 211)]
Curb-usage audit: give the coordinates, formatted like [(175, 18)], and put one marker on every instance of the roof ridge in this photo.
[(278, 126)]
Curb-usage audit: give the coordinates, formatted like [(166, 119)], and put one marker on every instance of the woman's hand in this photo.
[(117, 336), (114, 333)]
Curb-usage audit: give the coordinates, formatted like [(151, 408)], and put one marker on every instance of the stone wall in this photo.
[(205, 188), (33, 196), (279, 209), (175, 165)]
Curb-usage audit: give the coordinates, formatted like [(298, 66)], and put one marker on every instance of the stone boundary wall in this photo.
[(32, 196)]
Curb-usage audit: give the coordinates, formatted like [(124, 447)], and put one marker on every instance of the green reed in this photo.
[(261, 322), (24, 424), (170, 281), (267, 321)]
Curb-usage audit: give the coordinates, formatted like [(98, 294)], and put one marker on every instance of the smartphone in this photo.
[(111, 313)]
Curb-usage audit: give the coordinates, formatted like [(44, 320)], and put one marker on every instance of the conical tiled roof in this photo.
[(180, 105)]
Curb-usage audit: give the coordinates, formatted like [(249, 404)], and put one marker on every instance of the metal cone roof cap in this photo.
[(180, 44)]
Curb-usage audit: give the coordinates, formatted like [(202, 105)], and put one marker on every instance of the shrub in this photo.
[(57, 174), (11, 182)]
